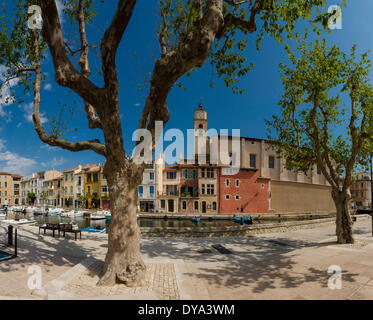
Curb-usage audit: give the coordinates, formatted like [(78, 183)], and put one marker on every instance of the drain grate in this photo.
[(221, 249)]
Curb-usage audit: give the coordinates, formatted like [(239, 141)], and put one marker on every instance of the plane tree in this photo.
[(190, 33), (314, 125)]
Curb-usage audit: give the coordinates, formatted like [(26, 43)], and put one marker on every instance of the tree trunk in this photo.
[(343, 220), (123, 262)]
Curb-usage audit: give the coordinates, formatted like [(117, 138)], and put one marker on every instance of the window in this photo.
[(66, 177), (163, 204), (200, 131), (89, 178), (210, 189), (237, 183), (227, 182), (151, 176), (171, 190), (88, 190), (72, 177), (171, 175), (195, 205), (79, 181), (71, 190), (271, 162), (184, 205), (95, 190), (5, 184), (227, 197), (253, 160), (237, 197), (210, 172), (141, 190), (151, 191), (190, 174), (214, 206), (105, 189), (95, 177), (203, 172), (318, 169)]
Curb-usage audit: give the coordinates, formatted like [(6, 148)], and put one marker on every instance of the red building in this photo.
[(245, 192)]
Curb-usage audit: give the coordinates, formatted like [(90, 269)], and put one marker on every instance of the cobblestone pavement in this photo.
[(289, 265), (159, 278)]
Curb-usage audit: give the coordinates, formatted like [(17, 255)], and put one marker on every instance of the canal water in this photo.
[(143, 222)]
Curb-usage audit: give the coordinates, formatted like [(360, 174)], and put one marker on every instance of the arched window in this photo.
[(200, 129)]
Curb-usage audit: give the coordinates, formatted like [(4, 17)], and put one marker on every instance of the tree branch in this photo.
[(112, 38), (247, 25), (94, 122), (65, 73), (94, 145)]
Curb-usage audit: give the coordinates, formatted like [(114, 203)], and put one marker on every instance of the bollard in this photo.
[(10, 235)]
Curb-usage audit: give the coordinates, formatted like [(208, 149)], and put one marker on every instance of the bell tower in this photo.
[(200, 130)]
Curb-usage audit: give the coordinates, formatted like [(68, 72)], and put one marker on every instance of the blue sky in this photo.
[(22, 152)]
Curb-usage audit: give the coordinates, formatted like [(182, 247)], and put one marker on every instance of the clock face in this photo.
[(200, 114)]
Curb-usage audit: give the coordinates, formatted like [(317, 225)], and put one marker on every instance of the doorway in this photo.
[(170, 205), (203, 206)]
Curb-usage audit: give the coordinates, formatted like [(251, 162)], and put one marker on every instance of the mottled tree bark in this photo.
[(123, 262), (344, 223)]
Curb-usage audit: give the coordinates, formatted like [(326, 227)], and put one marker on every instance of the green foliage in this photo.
[(16, 52), (44, 196), (313, 126), (228, 56), (57, 126)]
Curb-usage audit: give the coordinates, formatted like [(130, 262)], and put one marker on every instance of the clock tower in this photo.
[(200, 130)]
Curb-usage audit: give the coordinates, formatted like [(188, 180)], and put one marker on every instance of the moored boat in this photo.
[(99, 215)]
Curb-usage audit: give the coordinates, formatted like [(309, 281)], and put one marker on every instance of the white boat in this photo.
[(56, 211), (30, 209), (72, 213), (99, 215)]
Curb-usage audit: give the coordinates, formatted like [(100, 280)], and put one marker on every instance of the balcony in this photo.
[(189, 194), (171, 193)]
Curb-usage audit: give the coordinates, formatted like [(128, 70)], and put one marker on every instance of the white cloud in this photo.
[(14, 163), (54, 163), (48, 147), (29, 110), (6, 98), (48, 87)]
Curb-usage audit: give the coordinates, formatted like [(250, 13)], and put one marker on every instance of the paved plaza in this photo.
[(291, 265)]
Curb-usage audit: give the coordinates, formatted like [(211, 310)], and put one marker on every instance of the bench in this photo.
[(50, 226), (69, 228)]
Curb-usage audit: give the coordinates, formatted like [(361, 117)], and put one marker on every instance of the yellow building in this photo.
[(92, 184), (6, 188), (68, 188)]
